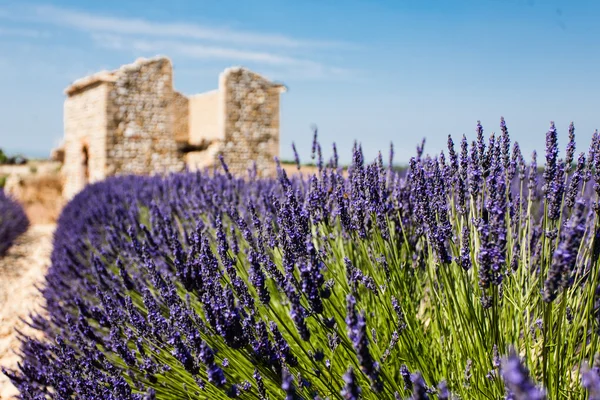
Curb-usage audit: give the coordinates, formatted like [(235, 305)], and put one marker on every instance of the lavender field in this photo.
[(473, 274)]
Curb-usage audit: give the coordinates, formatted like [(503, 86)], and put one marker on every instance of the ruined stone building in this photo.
[(132, 121)]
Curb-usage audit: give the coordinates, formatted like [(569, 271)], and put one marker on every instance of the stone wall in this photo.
[(204, 120), (140, 137), (85, 122), (132, 121), (180, 112), (251, 121)]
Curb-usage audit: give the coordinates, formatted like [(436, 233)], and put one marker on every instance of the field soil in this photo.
[(22, 271)]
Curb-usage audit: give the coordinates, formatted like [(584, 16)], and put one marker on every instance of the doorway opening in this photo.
[(85, 161)]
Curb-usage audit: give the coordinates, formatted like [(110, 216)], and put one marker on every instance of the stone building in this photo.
[(132, 121)]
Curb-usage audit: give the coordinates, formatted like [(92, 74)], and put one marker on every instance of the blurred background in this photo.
[(374, 71)]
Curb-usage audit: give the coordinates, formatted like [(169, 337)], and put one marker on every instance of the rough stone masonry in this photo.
[(132, 121)]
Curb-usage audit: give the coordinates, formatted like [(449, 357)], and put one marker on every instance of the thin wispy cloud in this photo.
[(291, 65), (22, 32), (199, 51), (136, 26), (278, 52)]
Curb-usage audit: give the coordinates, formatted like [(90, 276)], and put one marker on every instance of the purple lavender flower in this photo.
[(214, 372), (420, 389), (555, 191), (150, 395), (335, 160), (551, 158), (592, 152), (288, 386), (570, 153), (296, 156), (533, 174), (298, 313), (351, 390), (453, 158), (400, 314), (260, 385), (257, 278), (517, 163), (504, 145), (420, 149), (13, 221), (357, 333), (561, 270), (496, 362), (282, 347), (443, 392), (233, 391), (517, 380), (475, 175), (393, 342), (405, 373), (590, 380), (225, 167), (480, 147), (489, 158), (465, 249), (319, 159), (576, 179), (183, 354), (314, 143), (463, 178), (491, 256)]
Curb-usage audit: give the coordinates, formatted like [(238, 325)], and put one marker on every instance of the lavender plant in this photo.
[(464, 277), (13, 221)]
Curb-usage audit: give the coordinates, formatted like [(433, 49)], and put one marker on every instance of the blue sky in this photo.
[(374, 71)]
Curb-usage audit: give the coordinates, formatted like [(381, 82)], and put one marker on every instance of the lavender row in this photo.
[(470, 275)]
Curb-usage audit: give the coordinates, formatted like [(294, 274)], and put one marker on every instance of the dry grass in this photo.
[(40, 195)]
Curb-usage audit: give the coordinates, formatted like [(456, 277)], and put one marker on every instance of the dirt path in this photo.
[(21, 270)]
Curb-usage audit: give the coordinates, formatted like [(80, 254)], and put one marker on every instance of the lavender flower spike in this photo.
[(296, 156), (420, 389), (570, 153), (288, 386), (443, 392), (351, 390), (357, 333), (561, 270), (225, 167), (590, 380), (314, 144), (551, 157), (517, 380)]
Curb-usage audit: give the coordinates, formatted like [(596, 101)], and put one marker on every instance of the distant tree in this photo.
[(3, 157)]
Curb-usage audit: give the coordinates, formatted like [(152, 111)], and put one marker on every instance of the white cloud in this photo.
[(136, 26), (135, 35), (199, 51), (288, 65), (22, 32)]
